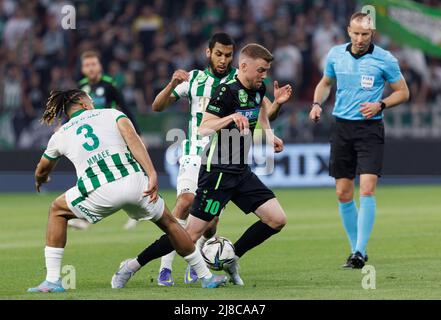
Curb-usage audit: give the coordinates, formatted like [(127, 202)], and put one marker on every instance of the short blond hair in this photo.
[(256, 51), (90, 54)]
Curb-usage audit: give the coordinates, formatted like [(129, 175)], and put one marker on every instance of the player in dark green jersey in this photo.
[(100, 87), (234, 109)]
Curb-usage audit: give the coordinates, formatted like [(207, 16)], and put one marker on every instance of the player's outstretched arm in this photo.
[(139, 151), (281, 95), (166, 97), (42, 172), (321, 93), (211, 123)]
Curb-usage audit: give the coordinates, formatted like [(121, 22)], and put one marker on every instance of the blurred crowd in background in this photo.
[(142, 42)]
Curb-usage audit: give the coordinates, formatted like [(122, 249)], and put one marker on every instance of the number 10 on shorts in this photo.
[(212, 207)]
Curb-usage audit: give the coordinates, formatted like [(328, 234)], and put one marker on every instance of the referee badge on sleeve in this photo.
[(367, 82)]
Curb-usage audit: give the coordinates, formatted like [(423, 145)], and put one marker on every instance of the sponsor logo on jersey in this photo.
[(258, 99), (202, 78), (243, 97), (213, 108), (251, 114)]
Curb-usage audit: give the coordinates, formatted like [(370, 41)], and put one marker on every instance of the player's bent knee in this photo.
[(56, 208), (279, 222), (184, 202), (59, 208), (53, 209), (194, 236)]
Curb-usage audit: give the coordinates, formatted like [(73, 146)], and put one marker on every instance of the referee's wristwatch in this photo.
[(382, 105)]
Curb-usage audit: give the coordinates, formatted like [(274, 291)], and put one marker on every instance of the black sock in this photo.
[(157, 249), (255, 235)]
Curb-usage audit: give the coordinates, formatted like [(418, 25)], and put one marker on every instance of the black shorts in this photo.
[(216, 189), (357, 147)]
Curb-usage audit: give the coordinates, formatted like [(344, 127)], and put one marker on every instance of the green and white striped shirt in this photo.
[(92, 141), (199, 90)]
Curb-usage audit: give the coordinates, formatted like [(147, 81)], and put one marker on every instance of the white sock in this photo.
[(196, 261), (167, 260), (200, 243), (134, 265), (53, 263)]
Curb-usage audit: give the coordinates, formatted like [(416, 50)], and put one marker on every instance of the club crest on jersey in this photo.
[(243, 96), (86, 89), (367, 82), (202, 78), (258, 99), (100, 91)]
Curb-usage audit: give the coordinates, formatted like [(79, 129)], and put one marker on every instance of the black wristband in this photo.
[(316, 103), (383, 105)]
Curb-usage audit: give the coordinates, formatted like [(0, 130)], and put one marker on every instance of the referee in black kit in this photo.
[(360, 70)]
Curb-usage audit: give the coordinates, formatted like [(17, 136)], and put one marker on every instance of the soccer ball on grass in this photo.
[(218, 252)]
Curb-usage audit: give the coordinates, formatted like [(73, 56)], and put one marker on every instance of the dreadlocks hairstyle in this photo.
[(59, 103)]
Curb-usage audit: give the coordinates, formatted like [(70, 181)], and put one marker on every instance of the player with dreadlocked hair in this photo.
[(114, 172), (56, 107), (58, 103)]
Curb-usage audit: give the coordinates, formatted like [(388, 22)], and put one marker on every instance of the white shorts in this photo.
[(188, 175), (125, 193)]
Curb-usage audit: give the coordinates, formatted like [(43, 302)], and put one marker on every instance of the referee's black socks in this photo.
[(253, 236)]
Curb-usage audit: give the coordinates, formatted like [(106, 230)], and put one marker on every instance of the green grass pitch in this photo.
[(301, 262)]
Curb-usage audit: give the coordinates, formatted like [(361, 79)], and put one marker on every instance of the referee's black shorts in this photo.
[(357, 147), (216, 189)]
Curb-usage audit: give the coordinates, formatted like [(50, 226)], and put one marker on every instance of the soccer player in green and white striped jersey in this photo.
[(198, 86), (114, 172), (105, 94)]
